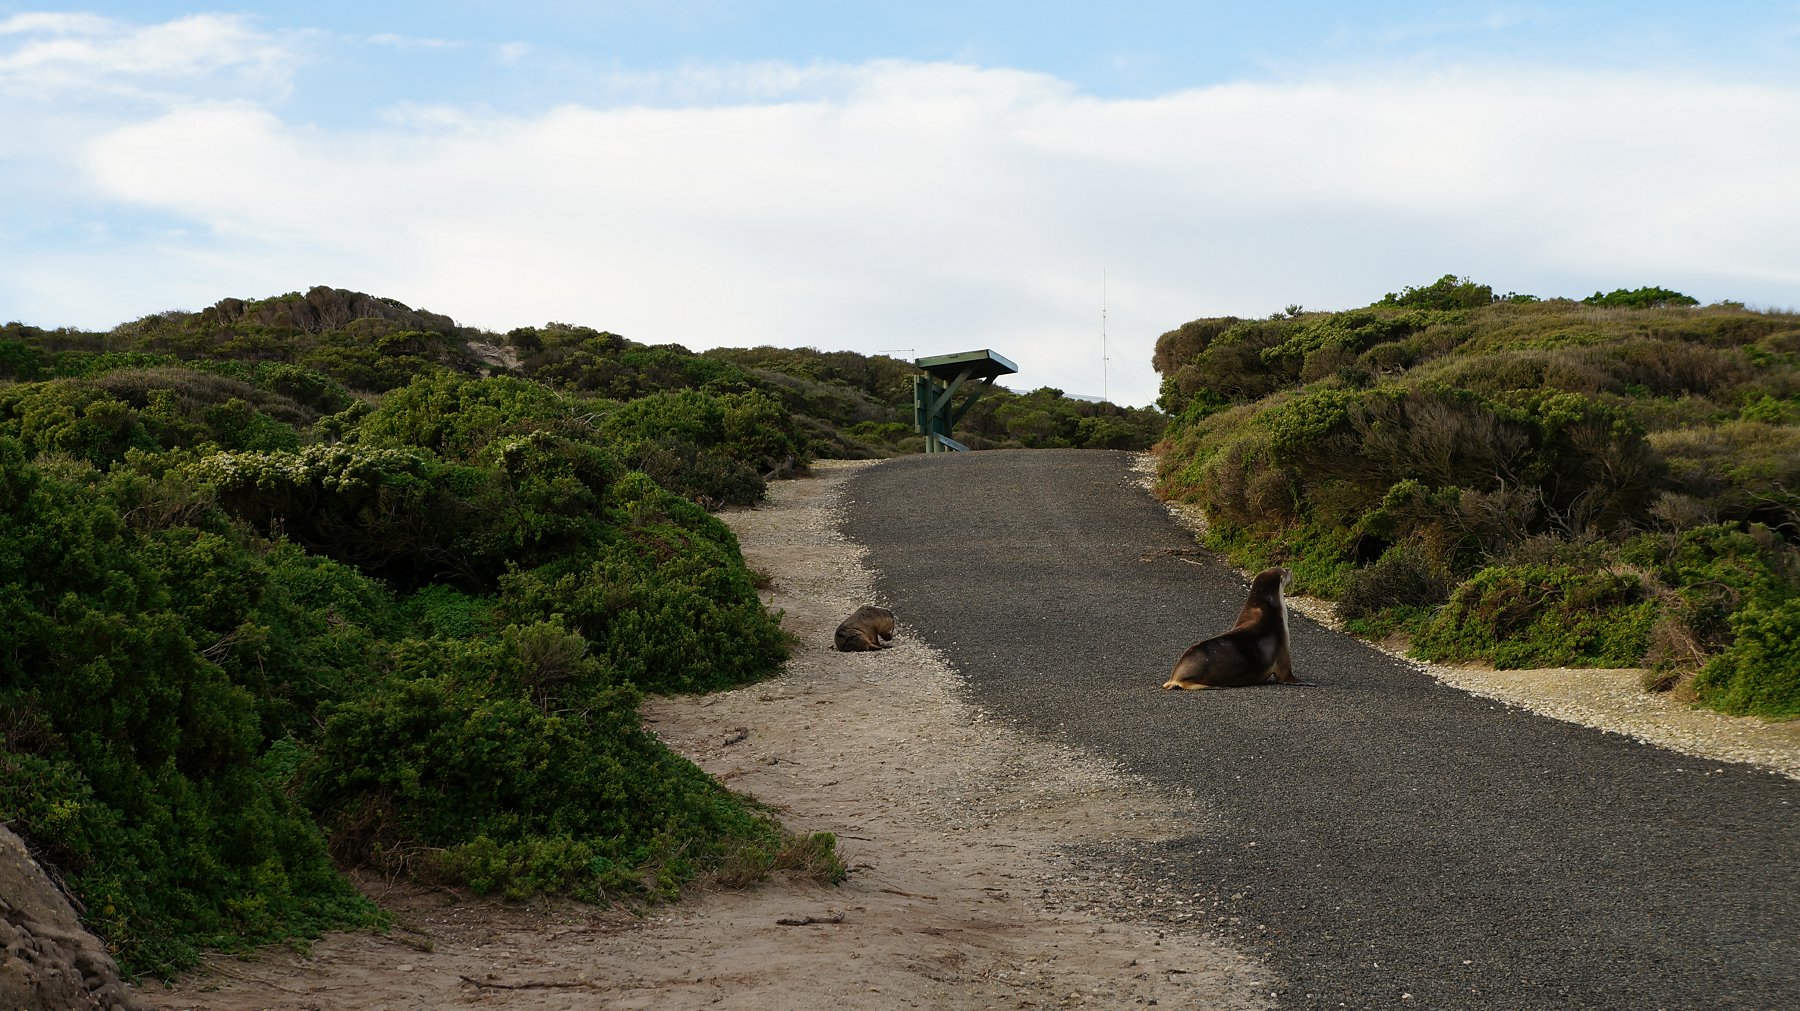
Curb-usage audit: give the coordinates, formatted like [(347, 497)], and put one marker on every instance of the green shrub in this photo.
[(670, 604), (314, 638), (443, 612), (396, 514), (20, 361), (384, 363), (710, 448), (1492, 434), (1742, 471), (1542, 616), (1403, 577), (885, 432), (607, 365), (200, 632), (1640, 298), (311, 389), (103, 419), (1759, 673), (475, 762), (67, 418), (1403, 621), (1447, 292), (131, 757), (457, 417), (706, 476)]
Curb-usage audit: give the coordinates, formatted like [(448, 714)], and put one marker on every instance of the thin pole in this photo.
[(1105, 391)]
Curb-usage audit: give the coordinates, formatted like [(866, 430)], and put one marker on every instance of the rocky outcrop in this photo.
[(323, 308), (47, 959)]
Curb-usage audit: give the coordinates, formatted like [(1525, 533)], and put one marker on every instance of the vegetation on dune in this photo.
[(322, 580), (1610, 482), (223, 666), (315, 582), (854, 407)]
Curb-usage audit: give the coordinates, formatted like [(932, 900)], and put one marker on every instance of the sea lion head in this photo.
[(1274, 580)]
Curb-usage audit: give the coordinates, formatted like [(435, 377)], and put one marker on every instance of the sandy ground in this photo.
[(1615, 701), (960, 893)]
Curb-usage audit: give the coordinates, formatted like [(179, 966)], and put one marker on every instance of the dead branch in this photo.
[(244, 977), (546, 984), (801, 921), (1151, 556)]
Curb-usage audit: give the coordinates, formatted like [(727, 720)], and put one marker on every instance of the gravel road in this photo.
[(1388, 841)]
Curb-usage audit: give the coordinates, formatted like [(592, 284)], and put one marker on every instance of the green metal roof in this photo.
[(981, 365)]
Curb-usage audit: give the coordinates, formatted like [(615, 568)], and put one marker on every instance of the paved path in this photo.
[(1386, 841)]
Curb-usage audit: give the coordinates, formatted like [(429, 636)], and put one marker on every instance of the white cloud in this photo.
[(404, 42), (945, 208), (44, 55)]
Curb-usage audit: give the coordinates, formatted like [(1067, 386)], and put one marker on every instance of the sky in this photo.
[(1058, 182)]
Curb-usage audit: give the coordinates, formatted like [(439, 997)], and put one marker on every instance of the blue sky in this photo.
[(909, 177)]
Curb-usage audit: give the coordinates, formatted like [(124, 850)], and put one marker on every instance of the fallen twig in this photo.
[(424, 942), (244, 977), (801, 921), (548, 984)]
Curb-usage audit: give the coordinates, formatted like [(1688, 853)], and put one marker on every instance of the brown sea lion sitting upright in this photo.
[(868, 627), (1254, 651)]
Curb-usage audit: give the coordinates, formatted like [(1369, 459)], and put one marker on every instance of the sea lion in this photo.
[(1254, 651), (868, 627)]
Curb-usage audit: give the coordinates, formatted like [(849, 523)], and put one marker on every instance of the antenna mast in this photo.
[(1105, 393)]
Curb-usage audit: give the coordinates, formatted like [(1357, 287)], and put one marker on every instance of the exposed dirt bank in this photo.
[(47, 959)]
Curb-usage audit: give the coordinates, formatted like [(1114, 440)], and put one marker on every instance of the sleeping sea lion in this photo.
[(1254, 651), (868, 627)]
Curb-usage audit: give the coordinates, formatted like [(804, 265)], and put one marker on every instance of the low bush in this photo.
[(1759, 673), (133, 760), (400, 515), (1542, 616), (516, 765), (1403, 577), (1641, 298), (208, 685), (101, 420), (1518, 480), (713, 449), (670, 604)]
